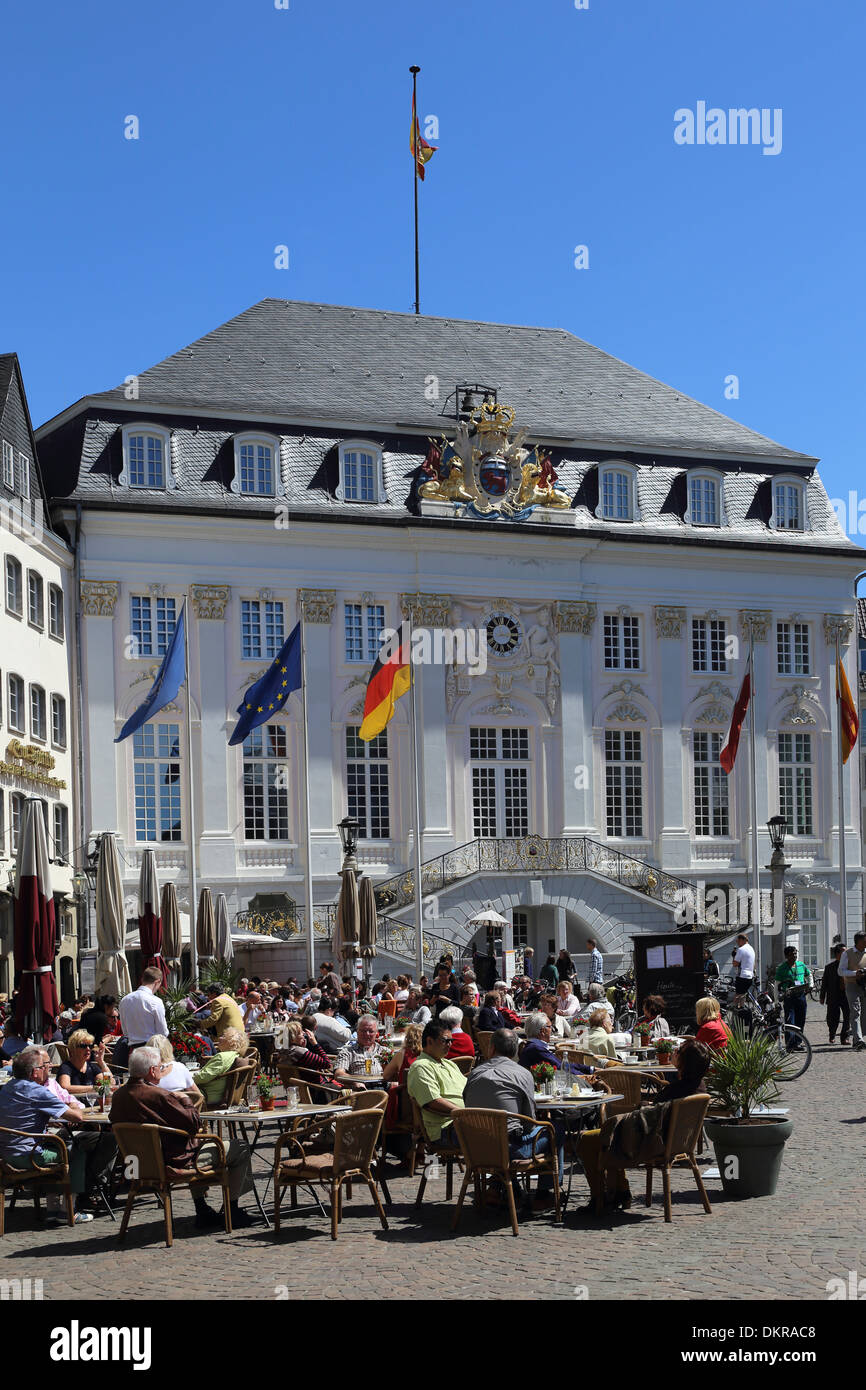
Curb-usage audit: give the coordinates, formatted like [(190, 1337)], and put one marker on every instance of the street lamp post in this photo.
[(777, 827), (348, 830)]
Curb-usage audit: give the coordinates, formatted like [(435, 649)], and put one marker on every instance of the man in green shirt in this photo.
[(436, 1085), (793, 977)]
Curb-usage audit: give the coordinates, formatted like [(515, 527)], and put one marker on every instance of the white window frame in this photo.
[(715, 791), (16, 819), (253, 439), (701, 476), (370, 644), (60, 823), (791, 624), (265, 769), (148, 772), (57, 630), (803, 788), (810, 927), (372, 774), (789, 480), (58, 722), (157, 432), (620, 619), (38, 704), (508, 773), (8, 465), (622, 764), (24, 475), (19, 704), (354, 446), (708, 669), (619, 466), (259, 607), (152, 602), (35, 578), (13, 565)]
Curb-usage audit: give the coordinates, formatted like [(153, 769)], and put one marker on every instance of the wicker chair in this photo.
[(290, 1075), (420, 1153), (483, 1136), (142, 1144), (355, 1140), (51, 1176), (484, 1042), (684, 1129), (627, 1082), (465, 1064), (580, 1057)]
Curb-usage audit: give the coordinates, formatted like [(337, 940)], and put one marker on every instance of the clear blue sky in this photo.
[(261, 126)]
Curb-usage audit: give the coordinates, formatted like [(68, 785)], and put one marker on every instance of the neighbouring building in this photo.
[(587, 591), (36, 710)]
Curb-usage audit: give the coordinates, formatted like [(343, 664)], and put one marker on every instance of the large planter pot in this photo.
[(757, 1148)]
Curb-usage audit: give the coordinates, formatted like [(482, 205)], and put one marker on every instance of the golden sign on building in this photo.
[(31, 764)]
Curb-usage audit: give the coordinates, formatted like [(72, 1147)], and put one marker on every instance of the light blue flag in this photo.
[(169, 679)]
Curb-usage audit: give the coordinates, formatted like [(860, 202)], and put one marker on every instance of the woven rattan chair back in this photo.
[(483, 1138), (141, 1144), (355, 1138)]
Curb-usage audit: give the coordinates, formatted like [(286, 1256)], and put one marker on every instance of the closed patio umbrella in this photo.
[(205, 927), (36, 1006), (224, 948), (369, 929), (347, 923), (112, 971), (150, 914), (171, 940)]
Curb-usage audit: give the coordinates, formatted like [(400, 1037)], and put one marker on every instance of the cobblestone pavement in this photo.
[(784, 1247)]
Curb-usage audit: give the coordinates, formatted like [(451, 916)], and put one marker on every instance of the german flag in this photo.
[(390, 678), (849, 724)]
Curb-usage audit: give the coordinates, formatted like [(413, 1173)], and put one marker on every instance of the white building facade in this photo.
[(585, 650)]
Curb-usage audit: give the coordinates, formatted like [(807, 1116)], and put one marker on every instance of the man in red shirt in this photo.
[(461, 1043)]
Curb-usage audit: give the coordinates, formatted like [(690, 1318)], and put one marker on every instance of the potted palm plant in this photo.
[(748, 1145)]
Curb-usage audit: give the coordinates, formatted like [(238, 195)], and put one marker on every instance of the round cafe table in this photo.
[(573, 1105)]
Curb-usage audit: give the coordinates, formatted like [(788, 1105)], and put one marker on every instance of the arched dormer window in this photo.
[(146, 457), (789, 505), (360, 472), (617, 492), (257, 465), (706, 499)]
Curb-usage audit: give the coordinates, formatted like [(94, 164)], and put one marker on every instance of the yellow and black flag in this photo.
[(390, 678)]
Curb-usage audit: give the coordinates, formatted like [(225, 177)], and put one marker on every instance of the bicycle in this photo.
[(768, 1016)]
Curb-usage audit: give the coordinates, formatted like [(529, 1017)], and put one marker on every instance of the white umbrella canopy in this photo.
[(172, 943), (224, 948), (112, 971), (487, 917)]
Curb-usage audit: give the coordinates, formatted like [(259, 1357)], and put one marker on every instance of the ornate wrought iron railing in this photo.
[(394, 938), (532, 855)]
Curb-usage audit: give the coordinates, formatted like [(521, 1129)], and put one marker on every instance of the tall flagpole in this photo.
[(416, 793), (308, 854), (193, 887), (840, 765), (415, 132), (753, 794)]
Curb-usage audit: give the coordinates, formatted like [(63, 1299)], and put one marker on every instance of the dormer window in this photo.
[(256, 465), (789, 505), (360, 473), (618, 493), (705, 500), (146, 457)]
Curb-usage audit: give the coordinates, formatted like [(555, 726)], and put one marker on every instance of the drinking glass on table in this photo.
[(368, 1066), (292, 1098)]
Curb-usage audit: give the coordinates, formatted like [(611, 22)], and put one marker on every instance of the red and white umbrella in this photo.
[(36, 1006), (149, 915)]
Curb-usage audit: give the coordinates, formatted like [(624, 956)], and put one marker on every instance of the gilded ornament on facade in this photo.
[(98, 597), (210, 600)]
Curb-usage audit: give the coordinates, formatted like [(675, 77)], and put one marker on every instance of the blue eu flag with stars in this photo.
[(169, 679), (270, 693)]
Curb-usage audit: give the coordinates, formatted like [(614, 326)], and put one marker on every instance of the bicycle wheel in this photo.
[(797, 1048)]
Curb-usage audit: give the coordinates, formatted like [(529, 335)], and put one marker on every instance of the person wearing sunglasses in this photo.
[(86, 1064)]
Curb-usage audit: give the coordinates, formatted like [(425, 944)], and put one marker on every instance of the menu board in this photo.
[(673, 967)]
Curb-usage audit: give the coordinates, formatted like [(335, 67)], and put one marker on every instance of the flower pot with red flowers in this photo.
[(664, 1050), (543, 1074), (266, 1091)]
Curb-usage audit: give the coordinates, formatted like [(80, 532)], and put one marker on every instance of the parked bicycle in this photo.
[(762, 1012)]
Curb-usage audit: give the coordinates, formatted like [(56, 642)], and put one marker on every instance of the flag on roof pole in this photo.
[(169, 679), (849, 724), (422, 152), (269, 694), (390, 678), (728, 755)]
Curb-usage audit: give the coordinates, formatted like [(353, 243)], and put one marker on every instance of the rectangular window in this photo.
[(788, 509), (621, 643), (709, 643), (156, 755), (56, 625), (795, 782), (367, 784), (810, 947), (16, 816), (616, 495), (266, 795), (711, 786), (153, 624), (24, 475), (14, 587), (262, 632), (58, 721), (520, 923), (500, 793), (792, 647), (16, 704), (482, 743), (35, 600), (146, 460), (61, 832), (38, 718), (363, 624), (623, 782), (703, 502), (257, 469), (8, 465), (359, 476)]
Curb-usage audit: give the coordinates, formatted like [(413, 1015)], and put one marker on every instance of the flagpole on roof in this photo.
[(415, 133), (193, 894), (840, 767), (308, 865), (756, 914)]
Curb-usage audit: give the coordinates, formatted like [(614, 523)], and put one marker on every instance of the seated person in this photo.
[(143, 1102), (252, 1009), (560, 1026), (461, 1042), (86, 1064), (332, 1033), (436, 1085), (210, 1079), (224, 1011), (503, 1084), (596, 999), (363, 1058), (652, 1009), (489, 1018), (692, 1061), (13, 1041), (711, 1031), (418, 1011), (538, 1032), (568, 1005), (174, 1075), (600, 1038), (103, 1020), (304, 1051)]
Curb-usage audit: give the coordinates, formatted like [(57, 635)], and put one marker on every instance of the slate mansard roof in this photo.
[(315, 375)]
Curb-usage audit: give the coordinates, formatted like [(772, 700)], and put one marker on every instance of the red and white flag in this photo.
[(728, 755), (36, 1006)]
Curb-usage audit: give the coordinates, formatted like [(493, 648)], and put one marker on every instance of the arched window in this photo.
[(705, 505), (360, 473), (257, 472), (617, 492), (789, 505), (146, 457)]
